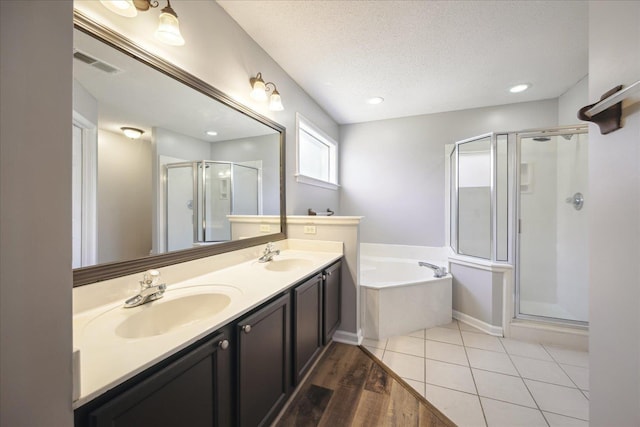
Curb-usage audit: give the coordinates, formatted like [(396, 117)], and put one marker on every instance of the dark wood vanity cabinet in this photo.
[(307, 325), (193, 390), (316, 316), (263, 363), (331, 300), (241, 375)]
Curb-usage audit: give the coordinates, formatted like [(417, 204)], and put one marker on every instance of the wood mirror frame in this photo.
[(100, 272)]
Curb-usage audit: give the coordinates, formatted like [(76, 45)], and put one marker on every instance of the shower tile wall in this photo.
[(572, 239), (538, 280)]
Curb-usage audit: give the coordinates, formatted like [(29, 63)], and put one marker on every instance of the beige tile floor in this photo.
[(481, 380)]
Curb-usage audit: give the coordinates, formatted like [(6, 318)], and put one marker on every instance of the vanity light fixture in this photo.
[(121, 7), (260, 89), (168, 27), (132, 133), (519, 88)]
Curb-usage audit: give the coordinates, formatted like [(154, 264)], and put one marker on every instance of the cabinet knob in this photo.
[(246, 329), (223, 345)]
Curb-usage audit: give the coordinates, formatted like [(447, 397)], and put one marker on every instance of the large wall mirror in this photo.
[(168, 195)]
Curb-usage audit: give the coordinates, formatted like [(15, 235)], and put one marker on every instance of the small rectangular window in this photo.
[(317, 162)]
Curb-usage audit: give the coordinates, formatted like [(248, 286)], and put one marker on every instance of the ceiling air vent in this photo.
[(100, 65)]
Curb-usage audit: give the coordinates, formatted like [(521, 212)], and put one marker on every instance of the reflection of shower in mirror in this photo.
[(212, 191)]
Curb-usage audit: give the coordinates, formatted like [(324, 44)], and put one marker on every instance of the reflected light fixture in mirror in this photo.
[(168, 30), (132, 133), (260, 89)]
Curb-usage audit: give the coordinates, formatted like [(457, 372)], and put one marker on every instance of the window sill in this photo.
[(303, 179)]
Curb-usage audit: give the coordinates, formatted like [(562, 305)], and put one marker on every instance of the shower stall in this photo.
[(200, 195), (551, 261), (520, 200)]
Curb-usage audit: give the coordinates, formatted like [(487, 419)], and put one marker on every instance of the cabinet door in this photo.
[(332, 301), (263, 363), (307, 325), (182, 394)]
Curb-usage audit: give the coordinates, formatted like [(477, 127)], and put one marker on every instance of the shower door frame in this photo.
[(454, 205), (532, 133)]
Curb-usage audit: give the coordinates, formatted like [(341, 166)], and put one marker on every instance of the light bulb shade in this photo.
[(275, 102), (121, 7), (132, 133), (259, 92), (169, 28)]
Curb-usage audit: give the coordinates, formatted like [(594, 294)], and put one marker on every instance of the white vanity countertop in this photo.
[(107, 359)]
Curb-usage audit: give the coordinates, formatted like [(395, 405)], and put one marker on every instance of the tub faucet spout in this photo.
[(437, 271)]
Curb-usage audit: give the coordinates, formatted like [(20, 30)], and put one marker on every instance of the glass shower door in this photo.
[(216, 201), (553, 208), (181, 206)]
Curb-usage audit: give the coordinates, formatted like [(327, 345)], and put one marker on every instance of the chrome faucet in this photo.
[(150, 290), (437, 271), (269, 252)]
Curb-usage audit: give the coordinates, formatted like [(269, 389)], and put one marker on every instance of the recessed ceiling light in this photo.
[(376, 100), (519, 88), (211, 133)]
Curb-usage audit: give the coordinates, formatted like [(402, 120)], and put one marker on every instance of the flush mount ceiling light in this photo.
[(132, 133), (519, 88), (375, 100), (211, 133), (168, 26), (259, 90)]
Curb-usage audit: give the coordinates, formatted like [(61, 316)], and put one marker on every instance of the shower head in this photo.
[(568, 136)]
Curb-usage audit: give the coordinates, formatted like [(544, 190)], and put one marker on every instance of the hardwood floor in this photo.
[(349, 387)]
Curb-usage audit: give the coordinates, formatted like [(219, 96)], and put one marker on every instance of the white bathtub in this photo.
[(398, 296)]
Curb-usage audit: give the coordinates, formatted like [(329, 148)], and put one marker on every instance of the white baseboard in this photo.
[(348, 337), (479, 324)]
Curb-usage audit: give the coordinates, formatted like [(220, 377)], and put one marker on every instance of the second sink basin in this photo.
[(162, 316)]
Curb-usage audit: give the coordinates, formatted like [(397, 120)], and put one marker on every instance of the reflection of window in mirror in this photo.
[(317, 155)]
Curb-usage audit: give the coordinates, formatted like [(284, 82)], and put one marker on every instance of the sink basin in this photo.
[(178, 310), (287, 264), (163, 316)]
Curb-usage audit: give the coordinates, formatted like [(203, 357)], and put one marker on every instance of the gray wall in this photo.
[(124, 197), (614, 222), (571, 101), (35, 213), (392, 171), (477, 293)]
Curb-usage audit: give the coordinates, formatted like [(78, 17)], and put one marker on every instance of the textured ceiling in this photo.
[(420, 56)]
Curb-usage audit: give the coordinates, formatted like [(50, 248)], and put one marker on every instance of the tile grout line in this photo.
[(525, 384), (567, 374), (473, 378), (424, 361)]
